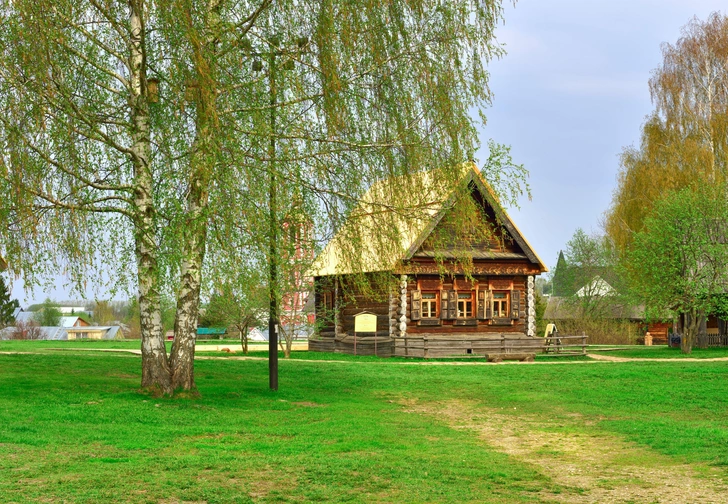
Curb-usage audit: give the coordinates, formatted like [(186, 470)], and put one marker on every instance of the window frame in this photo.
[(504, 303), (435, 300), (470, 299)]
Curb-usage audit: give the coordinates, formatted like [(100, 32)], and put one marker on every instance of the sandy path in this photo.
[(611, 358), (595, 359), (590, 467)]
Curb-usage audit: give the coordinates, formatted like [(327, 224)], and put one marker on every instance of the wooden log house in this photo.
[(435, 304)]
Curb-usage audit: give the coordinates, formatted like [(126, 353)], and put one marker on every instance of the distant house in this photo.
[(423, 255), (597, 286), (94, 332), (562, 308), (30, 317), (257, 335), (72, 309), (53, 333), (73, 321), (69, 328), (34, 332)]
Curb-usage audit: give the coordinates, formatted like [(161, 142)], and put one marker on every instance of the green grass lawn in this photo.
[(76, 429), (39, 346)]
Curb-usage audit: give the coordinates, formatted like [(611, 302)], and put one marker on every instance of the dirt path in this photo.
[(595, 359), (590, 467), (610, 358)]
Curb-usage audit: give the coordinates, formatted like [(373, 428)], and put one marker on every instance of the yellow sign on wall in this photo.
[(365, 322)]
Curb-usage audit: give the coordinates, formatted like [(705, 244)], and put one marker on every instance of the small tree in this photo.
[(103, 313), (7, 306), (49, 315), (679, 261), (26, 331), (585, 274), (241, 310)]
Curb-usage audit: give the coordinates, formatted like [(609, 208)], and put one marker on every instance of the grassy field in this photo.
[(76, 429)]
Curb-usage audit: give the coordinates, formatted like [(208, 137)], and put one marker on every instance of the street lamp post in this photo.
[(273, 320), (273, 311)]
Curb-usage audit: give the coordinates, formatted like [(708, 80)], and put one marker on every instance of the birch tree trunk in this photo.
[(182, 355), (155, 370), (202, 165)]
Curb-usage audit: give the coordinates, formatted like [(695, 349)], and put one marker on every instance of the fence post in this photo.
[(503, 343), (583, 344)]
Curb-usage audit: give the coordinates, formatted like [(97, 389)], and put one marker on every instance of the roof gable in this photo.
[(497, 236)]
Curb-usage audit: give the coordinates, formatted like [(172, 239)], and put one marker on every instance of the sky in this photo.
[(571, 93)]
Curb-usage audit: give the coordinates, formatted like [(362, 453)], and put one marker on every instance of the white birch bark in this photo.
[(155, 370), (202, 166)]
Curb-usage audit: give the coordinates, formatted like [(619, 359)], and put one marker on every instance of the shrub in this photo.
[(602, 331), (26, 331)]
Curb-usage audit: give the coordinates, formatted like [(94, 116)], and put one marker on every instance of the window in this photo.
[(429, 305), (465, 305), (500, 304)]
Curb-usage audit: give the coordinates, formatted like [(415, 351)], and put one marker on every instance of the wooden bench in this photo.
[(499, 357)]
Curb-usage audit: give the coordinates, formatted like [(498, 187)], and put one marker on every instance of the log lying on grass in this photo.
[(499, 357)]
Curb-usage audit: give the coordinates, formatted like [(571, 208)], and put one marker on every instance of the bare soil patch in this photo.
[(591, 467)]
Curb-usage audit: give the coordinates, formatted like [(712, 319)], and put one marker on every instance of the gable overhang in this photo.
[(486, 192)]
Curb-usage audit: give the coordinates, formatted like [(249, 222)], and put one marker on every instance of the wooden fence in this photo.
[(711, 340), (423, 346)]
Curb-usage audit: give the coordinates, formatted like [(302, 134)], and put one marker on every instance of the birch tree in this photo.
[(315, 102), (76, 169), (685, 140), (147, 123)]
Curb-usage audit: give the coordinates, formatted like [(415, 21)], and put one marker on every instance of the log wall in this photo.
[(337, 303)]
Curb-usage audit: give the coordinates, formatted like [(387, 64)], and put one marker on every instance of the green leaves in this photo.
[(679, 262), (7, 306)]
